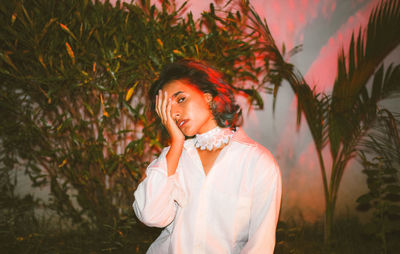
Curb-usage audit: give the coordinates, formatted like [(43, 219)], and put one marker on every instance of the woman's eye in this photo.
[(181, 99)]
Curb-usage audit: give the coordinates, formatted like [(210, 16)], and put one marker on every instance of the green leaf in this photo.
[(366, 198)]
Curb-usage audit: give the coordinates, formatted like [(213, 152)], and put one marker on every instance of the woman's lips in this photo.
[(182, 123)]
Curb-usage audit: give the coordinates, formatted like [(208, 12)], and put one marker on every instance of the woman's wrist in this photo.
[(173, 156), (177, 141)]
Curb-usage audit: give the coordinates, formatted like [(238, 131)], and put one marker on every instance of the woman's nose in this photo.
[(175, 111)]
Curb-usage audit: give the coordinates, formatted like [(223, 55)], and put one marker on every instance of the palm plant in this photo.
[(341, 120)]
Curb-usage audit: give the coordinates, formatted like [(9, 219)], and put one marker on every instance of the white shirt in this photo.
[(233, 209)]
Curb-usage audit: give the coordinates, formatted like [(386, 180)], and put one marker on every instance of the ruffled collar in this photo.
[(213, 139)]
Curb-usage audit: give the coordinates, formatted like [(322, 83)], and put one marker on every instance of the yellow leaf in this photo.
[(117, 68), (63, 163), (8, 60), (42, 61), (45, 94), (46, 27), (130, 91), (66, 29), (13, 18), (105, 113), (70, 52), (160, 42), (177, 52), (126, 18), (197, 50), (129, 94)]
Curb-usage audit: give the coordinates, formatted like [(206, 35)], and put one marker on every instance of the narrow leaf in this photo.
[(66, 29), (130, 91), (70, 52)]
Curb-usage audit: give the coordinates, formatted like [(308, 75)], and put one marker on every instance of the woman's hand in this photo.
[(163, 109)]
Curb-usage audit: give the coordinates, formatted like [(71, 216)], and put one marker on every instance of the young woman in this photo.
[(218, 191)]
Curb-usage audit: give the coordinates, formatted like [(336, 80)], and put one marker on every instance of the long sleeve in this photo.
[(265, 208), (157, 196)]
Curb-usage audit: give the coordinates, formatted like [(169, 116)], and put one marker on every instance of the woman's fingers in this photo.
[(156, 107), (164, 107), (158, 103), (169, 106), (164, 111)]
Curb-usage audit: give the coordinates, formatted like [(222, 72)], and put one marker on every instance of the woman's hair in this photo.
[(223, 106)]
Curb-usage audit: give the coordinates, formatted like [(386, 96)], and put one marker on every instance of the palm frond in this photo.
[(384, 140), (366, 52), (315, 108)]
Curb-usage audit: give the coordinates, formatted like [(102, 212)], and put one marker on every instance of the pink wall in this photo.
[(323, 27)]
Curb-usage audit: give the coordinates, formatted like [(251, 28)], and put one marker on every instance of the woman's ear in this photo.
[(208, 97)]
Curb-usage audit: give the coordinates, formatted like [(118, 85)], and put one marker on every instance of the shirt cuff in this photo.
[(178, 193)]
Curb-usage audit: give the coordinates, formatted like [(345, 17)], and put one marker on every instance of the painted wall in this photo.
[(322, 27)]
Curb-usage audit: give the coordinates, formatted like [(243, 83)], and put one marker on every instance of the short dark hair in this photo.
[(207, 79)]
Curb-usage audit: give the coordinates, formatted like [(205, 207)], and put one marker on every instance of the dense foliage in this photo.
[(381, 161), (74, 77)]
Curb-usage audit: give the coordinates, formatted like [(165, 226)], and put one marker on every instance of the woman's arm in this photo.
[(158, 195), (155, 197), (265, 208), (173, 156)]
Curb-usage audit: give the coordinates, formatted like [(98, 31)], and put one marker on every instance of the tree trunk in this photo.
[(328, 222)]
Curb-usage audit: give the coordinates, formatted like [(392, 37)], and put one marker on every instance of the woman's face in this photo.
[(190, 107)]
